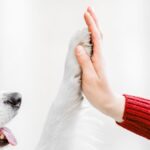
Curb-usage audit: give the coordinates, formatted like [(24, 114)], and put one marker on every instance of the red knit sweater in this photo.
[(137, 115)]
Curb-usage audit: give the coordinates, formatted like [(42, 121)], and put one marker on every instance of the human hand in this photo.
[(95, 85)]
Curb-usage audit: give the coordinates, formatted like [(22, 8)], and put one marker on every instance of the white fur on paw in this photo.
[(82, 38)]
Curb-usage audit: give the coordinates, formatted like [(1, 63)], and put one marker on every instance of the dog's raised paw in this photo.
[(82, 38)]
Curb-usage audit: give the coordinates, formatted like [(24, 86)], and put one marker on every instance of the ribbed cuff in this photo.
[(137, 115)]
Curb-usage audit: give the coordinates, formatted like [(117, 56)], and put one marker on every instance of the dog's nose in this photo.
[(14, 100)]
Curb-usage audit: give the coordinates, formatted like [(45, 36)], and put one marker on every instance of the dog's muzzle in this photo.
[(14, 101)]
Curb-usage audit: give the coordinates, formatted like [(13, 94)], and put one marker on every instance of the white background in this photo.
[(34, 37)]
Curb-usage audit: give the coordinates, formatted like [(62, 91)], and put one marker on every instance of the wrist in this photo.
[(116, 107)]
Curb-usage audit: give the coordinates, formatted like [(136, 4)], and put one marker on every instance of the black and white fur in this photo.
[(9, 105)]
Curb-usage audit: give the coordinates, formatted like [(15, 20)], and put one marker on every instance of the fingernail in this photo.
[(88, 7), (80, 50), (92, 8)]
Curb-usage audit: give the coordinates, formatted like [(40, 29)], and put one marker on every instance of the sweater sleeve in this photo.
[(137, 115)]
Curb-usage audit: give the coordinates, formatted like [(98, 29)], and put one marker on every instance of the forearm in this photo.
[(137, 115)]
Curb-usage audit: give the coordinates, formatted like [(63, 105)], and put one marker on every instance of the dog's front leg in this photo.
[(69, 96)]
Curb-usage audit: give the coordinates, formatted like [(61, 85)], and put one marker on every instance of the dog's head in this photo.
[(9, 106)]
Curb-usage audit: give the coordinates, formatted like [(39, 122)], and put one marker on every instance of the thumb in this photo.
[(83, 59)]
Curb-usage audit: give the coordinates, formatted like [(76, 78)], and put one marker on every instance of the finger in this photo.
[(84, 60), (97, 53), (94, 32), (92, 13)]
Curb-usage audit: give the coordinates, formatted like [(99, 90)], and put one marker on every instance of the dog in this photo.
[(72, 123), (10, 103)]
